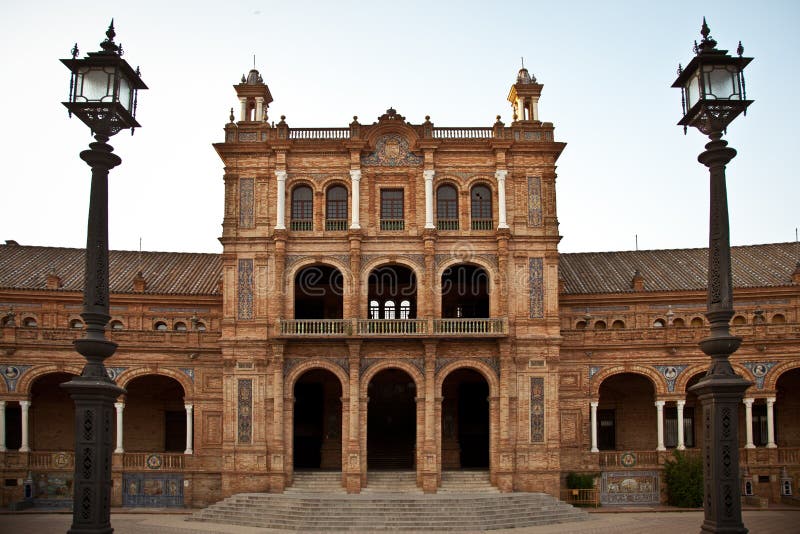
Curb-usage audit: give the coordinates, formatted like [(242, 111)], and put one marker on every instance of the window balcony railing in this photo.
[(469, 326), (302, 225), (336, 225), (393, 225), (483, 224), (447, 224)]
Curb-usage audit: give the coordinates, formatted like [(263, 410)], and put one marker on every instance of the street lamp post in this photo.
[(103, 92), (713, 95)]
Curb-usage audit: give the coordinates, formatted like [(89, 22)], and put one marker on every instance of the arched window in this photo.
[(599, 325), (388, 309), (116, 325), (778, 318), (200, 327), (618, 324), (678, 322), (76, 323), (739, 320), (447, 208), (374, 309), (161, 326), (697, 322), (405, 309), (302, 209), (179, 327), (481, 212), (31, 322), (659, 323), (580, 325), (336, 208)]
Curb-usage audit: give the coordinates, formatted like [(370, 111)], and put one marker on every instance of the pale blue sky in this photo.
[(606, 67)]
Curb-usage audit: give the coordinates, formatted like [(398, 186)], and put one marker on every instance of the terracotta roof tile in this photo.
[(675, 270), (177, 273)]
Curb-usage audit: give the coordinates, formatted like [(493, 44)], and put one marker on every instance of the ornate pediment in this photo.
[(391, 150)]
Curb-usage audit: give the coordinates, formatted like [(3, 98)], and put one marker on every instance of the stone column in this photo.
[(500, 174), (189, 428), (748, 422), (119, 406), (259, 108), (355, 198), (428, 175), (681, 444), (2, 426), (243, 102), (24, 405), (660, 425), (281, 211), (593, 422), (771, 423)]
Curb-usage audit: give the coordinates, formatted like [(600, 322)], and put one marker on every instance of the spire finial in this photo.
[(740, 49), (254, 61), (522, 59), (108, 46), (708, 43)]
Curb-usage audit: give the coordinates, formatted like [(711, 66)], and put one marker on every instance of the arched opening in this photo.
[(678, 322), (580, 325), (155, 415), (52, 414), (318, 293), (390, 287), (626, 413), (600, 325), (739, 320), (778, 318), (302, 216), (617, 324), (481, 208), (659, 323), (336, 208), (317, 422), (786, 408), (465, 292), (465, 420), (697, 322), (446, 208), (391, 420)]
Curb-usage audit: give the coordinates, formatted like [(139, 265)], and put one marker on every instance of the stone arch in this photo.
[(27, 379), (657, 381), (771, 379), (125, 377), (403, 365), (482, 179), (687, 374), (298, 181), (388, 261), (487, 372), (328, 261), (487, 266), (316, 363), (457, 184)]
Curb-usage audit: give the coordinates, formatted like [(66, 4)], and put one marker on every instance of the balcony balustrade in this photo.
[(483, 224), (336, 225), (301, 225), (488, 327), (393, 225), (446, 224)]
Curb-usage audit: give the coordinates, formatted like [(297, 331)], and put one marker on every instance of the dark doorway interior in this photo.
[(465, 420), (465, 292), (391, 421), (174, 431), (13, 427), (606, 431), (317, 421), (318, 293)]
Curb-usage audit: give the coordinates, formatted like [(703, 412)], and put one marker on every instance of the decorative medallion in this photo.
[(61, 460), (113, 372), (627, 459), (154, 461), (188, 371), (537, 409), (670, 373), (536, 285), (391, 150), (759, 370), (534, 201), (593, 370), (12, 373)]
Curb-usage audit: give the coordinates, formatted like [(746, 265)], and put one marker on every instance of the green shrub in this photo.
[(684, 479), (577, 481)]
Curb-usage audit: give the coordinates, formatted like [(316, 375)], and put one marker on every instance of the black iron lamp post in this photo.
[(103, 89), (713, 95)]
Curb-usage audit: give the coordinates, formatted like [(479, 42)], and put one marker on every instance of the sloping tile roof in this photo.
[(166, 273), (675, 270)]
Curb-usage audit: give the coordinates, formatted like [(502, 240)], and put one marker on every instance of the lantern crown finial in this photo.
[(708, 44), (108, 45)]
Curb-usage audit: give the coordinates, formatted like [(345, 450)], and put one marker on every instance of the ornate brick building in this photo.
[(391, 296)]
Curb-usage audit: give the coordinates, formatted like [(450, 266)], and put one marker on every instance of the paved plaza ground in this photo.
[(618, 522)]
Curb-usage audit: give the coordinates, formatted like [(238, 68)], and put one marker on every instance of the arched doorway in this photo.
[(465, 292), (52, 414), (317, 421), (465, 420), (318, 293), (392, 293), (626, 413), (391, 420), (155, 415), (787, 406)]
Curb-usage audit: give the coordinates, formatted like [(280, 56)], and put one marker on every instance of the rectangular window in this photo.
[(760, 425), (392, 215), (671, 426), (606, 431)]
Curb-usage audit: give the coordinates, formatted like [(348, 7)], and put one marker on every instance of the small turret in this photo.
[(254, 97), (524, 97)]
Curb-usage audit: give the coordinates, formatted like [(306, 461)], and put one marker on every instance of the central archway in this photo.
[(391, 420), (317, 428)]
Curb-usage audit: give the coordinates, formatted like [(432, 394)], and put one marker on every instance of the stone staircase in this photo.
[(316, 502)]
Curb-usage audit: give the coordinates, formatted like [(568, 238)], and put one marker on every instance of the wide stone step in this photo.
[(373, 512)]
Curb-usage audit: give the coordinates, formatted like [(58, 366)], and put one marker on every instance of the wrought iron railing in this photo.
[(336, 225), (482, 224), (301, 225), (393, 224), (447, 224)]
